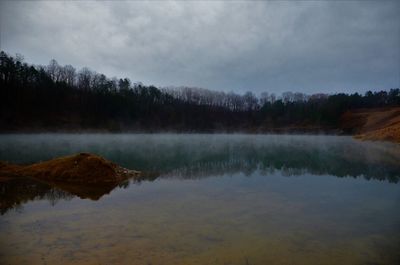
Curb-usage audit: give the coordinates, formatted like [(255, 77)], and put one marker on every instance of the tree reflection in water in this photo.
[(197, 156)]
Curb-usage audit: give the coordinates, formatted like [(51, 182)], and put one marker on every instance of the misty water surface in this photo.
[(207, 199)]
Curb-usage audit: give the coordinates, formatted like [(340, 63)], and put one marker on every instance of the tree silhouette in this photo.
[(57, 97)]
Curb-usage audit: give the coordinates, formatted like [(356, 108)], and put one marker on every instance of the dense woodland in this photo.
[(58, 98)]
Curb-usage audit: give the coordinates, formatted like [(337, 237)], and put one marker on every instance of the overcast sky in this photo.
[(308, 46)]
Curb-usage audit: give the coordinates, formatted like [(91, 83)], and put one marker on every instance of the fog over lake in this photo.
[(207, 199)]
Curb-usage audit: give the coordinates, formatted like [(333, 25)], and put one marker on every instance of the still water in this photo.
[(207, 199)]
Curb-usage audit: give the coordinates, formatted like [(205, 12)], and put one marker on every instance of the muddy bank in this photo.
[(83, 168)]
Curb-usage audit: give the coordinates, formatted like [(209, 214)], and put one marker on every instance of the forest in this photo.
[(62, 98)]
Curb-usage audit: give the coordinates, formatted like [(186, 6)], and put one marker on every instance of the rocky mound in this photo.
[(79, 168)]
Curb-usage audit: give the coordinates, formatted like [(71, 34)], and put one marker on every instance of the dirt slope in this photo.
[(373, 124)]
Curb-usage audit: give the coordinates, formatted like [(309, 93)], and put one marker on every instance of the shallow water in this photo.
[(208, 199)]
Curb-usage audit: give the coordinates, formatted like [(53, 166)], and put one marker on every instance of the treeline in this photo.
[(56, 97)]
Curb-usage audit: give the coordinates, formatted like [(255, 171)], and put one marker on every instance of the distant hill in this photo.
[(56, 98)]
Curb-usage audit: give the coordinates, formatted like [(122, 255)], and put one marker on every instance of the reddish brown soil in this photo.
[(79, 168), (381, 124)]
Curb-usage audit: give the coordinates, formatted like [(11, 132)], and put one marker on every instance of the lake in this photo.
[(207, 199)]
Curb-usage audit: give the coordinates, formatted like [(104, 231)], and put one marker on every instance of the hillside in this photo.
[(381, 124), (34, 99)]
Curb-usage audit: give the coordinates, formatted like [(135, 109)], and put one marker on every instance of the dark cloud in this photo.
[(310, 46)]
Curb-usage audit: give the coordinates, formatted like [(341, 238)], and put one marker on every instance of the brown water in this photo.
[(210, 199)]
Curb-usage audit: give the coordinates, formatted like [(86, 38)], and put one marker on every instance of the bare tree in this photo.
[(69, 74), (53, 70), (84, 79), (250, 101), (287, 97), (264, 98)]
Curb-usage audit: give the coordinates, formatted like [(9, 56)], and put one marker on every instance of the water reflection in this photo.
[(14, 193), (208, 199), (195, 156)]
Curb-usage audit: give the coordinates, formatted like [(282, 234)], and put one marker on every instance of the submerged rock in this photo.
[(79, 168)]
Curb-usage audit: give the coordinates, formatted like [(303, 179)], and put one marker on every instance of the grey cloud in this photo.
[(310, 46)]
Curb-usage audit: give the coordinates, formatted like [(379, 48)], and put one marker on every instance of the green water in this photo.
[(207, 199)]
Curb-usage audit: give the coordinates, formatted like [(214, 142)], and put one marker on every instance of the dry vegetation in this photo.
[(380, 124), (79, 168)]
